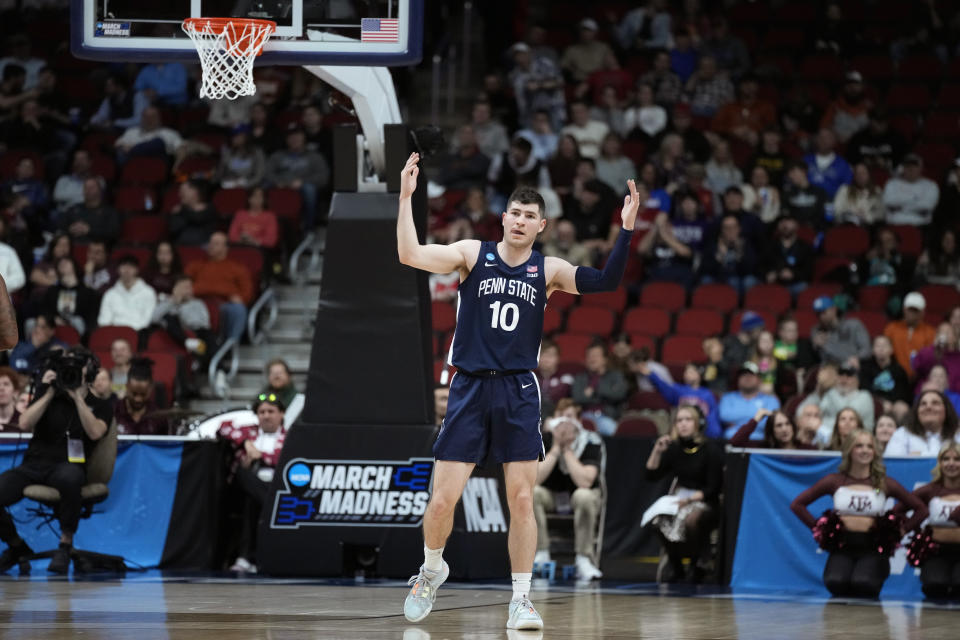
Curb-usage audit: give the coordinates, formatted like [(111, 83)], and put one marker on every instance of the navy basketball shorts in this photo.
[(491, 420)]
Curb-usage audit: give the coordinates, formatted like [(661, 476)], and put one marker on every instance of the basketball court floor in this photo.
[(152, 606)]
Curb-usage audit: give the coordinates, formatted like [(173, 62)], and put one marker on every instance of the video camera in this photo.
[(72, 368)]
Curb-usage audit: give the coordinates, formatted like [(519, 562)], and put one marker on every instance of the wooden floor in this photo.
[(151, 606)]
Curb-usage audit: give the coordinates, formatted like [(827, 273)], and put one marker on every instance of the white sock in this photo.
[(521, 585), (432, 559)]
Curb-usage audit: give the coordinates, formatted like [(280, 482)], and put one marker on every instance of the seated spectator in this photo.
[(884, 264), (826, 169), (180, 312), (647, 27), (949, 201), (589, 211), (645, 119), (150, 138), (514, 168), (474, 218), (20, 55), (715, 371), (609, 111), (257, 454), (490, 134), (722, 173), (163, 268), (708, 89), (134, 412), (263, 134), (254, 225), (163, 82), (121, 108), (794, 355), (542, 135), (789, 260), (808, 423), (694, 465), (599, 390), (12, 92), (587, 54), (844, 394), (69, 190), (97, 274), (737, 347), (884, 430), (296, 167), (932, 422), (837, 340), (911, 334), (280, 381), (537, 86), (882, 376), (859, 202), (695, 182), (729, 51), (537, 39), (804, 201), (32, 129), (568, 479), (848, 114), (848, 421), (29, 353), (93, 218), (695, 144), (683, 55), (771, 157), (909, 197), (241, 164), (467, 166), (689, 393), (940, 261), (564, 245), (779, 432), (746, 117), (944, 351), (761, 198), (667, 258), (441, 396), (130, 302), (121, 354), (221, 278), (736, 407), (730, 258), (763, 357), (43, 275), (71, 302), (641, 360), (937, 381), (10, 267), (9, 388), (25, 184), (588, 133), (877, 145), (193, 220), (670, 164), (614, 168), (666, 84)]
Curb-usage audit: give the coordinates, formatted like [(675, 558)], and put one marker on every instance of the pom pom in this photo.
[(922, 547), (886, 533), (828, 531)]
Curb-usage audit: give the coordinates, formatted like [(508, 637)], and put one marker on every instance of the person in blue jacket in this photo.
[(690, 392), (826, 169), (736, 407)]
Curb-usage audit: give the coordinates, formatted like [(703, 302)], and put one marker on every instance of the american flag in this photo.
[(379, 30)]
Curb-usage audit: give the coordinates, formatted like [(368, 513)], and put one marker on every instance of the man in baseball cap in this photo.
[(737, 407), (587, 54), (738, 347), (838, 339), (910, 334)]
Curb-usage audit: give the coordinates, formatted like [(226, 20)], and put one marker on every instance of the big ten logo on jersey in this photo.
[(481, 506), (382, 493)]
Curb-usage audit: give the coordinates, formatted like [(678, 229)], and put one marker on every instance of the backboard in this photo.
[(309, 32)]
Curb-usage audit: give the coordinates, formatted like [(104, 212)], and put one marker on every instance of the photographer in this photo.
[(66, 419)]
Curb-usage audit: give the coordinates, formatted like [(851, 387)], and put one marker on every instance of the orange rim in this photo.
[(220, 24)]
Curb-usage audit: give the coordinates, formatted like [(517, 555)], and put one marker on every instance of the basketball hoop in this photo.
[(227, 48)]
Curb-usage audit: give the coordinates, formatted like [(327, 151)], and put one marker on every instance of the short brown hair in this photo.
[(528, 195), (15, 379)]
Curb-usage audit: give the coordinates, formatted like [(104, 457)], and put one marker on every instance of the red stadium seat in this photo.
[(103, 166), (552, 320), (806, 319), (682, 349), (911, 239), (923, 67), (949, 97), (572, 346), (874, 297), (103, 337), (699, 322), (286, 203), (160, 340), (171, 198), (144, 170), (830, 269), (10, 160), (643, 341), (651, 400), (142, 254), (940, 297), (941, 125), (874, 68), (164, 369), (937, 156), (570, 367), (767, 297), (613, 300), (719, 297), (561, 300), (228, 201), (444, 316), (68, 334), (636, 428), (593, 321), (846, 240), (822, 67), (252, 259), (144, 229), (664, 295), (196, 166), (874, 321), (807, 296), (779, 39), (769, 320), (909, 97), (649, 322), (134, 199), (99, 142)]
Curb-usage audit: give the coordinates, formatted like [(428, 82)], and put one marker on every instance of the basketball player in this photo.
[(493, 413)]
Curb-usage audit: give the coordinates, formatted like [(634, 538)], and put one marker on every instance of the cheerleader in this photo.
[(858, 534), (936, 549)]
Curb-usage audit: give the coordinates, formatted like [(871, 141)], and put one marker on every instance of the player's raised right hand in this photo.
[(408, 178)]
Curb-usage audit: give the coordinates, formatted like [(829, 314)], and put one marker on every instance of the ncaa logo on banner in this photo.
[(357, 493)]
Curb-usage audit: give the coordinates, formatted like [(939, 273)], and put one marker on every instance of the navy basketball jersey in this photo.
[(500, 314)]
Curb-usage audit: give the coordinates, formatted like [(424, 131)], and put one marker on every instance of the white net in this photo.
[(227, 49)]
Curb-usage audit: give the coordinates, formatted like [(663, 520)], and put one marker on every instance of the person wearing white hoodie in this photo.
[(130, 302)]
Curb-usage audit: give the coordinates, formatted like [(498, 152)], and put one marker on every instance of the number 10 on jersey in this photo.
[(505, 317)]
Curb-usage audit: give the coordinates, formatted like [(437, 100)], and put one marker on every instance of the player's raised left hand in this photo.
[(631, 205), (408, 179)]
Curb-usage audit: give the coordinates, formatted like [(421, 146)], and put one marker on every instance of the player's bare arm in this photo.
[(563, 276), (8, 319), (435, 258)]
